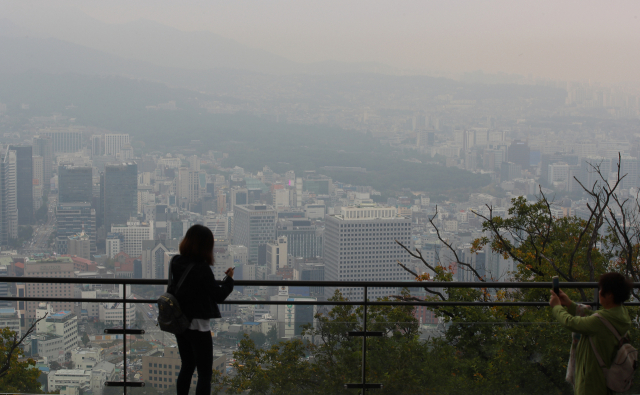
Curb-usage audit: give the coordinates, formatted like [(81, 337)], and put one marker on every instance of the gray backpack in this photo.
[(170, 316), (619, 376)]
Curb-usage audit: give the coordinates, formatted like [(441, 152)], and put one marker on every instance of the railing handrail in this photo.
[(307, 283), (345, 284)]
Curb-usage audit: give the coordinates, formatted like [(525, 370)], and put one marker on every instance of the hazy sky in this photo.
[(564, 39)]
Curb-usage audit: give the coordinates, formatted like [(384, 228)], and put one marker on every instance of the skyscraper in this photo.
[(72, 219), (9, 203), (75, 184), (97, 145), (24, 183), (42, 146), (304, 239), (360, 246), (187, 187), (120, 193), (254, 225), (519, 153)]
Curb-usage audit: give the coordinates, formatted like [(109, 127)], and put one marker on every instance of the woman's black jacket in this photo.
[(200, 293)]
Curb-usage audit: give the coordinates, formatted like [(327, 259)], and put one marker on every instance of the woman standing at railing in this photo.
[(198, 297)]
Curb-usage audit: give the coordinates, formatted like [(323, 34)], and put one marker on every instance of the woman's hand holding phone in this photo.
[(229, 272)]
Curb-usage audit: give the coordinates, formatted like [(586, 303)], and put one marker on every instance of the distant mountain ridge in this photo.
[(163, 46)]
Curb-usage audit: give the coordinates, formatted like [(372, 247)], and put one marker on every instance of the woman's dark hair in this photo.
[(616, 284), (197, 244)]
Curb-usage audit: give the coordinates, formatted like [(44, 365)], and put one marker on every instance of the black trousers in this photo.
[(196, 351)]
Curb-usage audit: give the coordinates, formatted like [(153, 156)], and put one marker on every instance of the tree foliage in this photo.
[(22, 376)]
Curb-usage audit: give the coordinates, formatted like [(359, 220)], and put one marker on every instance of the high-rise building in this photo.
[(97, 145), (153, 257), (426, 138), (75, 184), (4, 287), (133, 233), (360, 246), (519, 153), (42, 146), (24, 183), (630, 168), (79, 246), (38, 170), (58, 268), (64, 140), (253, 225), (222, 202), (238, 196), (588, 174), (187, 186), (277, 257), (113, 143), (510, 171), (8, 196), (72, 219), (303, 238), (120, 193), (114, 244), (218, 223)]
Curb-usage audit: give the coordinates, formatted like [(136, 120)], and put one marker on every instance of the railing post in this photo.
[(124, 331), (364, 385), (124, 336), (364, 342)]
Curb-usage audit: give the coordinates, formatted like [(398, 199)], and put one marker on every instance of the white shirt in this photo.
[(200, 324)]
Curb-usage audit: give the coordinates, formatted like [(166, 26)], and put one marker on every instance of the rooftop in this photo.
[(59, 259)]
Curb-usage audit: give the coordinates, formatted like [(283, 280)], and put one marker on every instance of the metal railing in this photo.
[(365, 302)]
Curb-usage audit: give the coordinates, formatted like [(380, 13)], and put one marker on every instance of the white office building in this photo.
[(63, 323), (111, 313), (134, 233), (360, 246), (113, 143), (277, 254), (218, 223)]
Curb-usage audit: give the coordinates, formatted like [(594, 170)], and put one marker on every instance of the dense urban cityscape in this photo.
[(352, 175)]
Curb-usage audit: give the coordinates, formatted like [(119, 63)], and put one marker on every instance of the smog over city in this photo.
[(344, 155)]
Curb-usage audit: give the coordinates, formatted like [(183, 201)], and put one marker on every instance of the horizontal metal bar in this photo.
[(306, 303), (363, 386), (112, 281), (368, 334), (115, 331), (340, 284), (121, 384)]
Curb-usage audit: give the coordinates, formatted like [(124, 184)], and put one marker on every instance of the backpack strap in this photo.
[(608, 325), (182, 278), (600, 361), (620, 339)]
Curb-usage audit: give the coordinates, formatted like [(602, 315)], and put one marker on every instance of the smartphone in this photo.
[(556, 285)]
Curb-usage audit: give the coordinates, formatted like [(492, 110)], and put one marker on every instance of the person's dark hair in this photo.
[(616, 284), (197, 244)]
